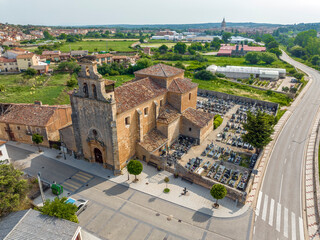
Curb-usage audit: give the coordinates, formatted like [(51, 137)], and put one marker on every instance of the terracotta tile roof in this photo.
[(29, 114), (103, 55), (23, 56), (181, 85), (167, 114), (2, 59), (135, 93), (198, 118), (51, 52), (120, 57), (153, 140), (160, 70), (19, 49)]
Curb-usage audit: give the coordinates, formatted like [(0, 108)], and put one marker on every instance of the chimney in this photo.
[(38, 103)]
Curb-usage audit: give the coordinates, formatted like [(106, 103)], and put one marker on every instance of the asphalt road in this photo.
[(118, 212), (279, 209)]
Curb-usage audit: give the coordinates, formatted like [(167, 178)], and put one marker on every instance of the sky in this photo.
[(104, 12)]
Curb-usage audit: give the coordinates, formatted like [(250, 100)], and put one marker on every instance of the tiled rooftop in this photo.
[(160, 70), (198, 118), (167, 114), (181, 85), (153, 140)]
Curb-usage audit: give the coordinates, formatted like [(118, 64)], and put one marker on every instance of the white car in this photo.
[(80, 203)]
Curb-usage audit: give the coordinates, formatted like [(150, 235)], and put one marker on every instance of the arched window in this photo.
[(94, 90), (87, 71), (95, 133), (85, 89)]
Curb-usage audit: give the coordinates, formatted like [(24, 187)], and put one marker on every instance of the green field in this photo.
[(48, 89), (233, 88), (158, 44), (121, 46), (121, 79)]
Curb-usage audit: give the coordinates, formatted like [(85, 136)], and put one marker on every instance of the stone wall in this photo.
[(233, 193), (226, 96)]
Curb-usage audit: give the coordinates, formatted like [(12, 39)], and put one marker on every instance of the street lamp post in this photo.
[(40, 187)]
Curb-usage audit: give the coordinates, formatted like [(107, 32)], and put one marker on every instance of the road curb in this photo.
[(311, 184)]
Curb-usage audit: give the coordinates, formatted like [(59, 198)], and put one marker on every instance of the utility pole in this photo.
[(41, 190)]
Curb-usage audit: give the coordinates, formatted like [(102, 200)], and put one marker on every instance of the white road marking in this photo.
[(265, 207), (285, 161), (254, 230), (293, 224), (285, 223), (289, 146), (280, 188), (271, 212), (259, 203), (278, 217), (301, 228)]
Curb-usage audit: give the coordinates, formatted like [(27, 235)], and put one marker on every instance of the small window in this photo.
[(127, 120), (189, 96), (18, 127), (146, 111), (95, 133), (190, 129), (161, 102)]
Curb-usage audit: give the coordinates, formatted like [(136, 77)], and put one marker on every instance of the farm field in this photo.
[(158, 44), (48, 89), (93, 46)]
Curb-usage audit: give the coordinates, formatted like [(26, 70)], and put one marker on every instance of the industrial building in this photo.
[(235, 72)]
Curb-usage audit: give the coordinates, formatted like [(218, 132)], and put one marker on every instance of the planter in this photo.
[(166, 190), (215, 205)]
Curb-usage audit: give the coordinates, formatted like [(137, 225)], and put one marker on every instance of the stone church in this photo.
[(138, 119)]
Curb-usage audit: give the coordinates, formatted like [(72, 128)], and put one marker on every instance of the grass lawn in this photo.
[(229, 87), (120, 79), (120, 46), (158, 44), (48, 89)]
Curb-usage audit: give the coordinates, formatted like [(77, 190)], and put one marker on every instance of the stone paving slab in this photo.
[(151, 182)]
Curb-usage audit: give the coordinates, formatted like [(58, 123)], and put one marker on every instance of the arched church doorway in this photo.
[(98, 155)]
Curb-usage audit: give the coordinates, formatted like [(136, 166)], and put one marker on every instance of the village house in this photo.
[(141, 118), (25, 61), (238, 50), (104, 58), (19, 121), (8, 65)]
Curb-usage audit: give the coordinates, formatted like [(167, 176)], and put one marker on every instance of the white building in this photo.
[(3, 152), (239, 39), (235, 72)]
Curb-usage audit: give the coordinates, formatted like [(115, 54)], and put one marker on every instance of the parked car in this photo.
[(80, 203)]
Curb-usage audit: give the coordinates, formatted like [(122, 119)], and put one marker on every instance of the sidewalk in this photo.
[(151, 182)]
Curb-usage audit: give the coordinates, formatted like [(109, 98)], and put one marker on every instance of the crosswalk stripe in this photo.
[(86, 174), (293, 224), (74, 183), (278, 217), (301, 228), (265, 207), (271, 212), (69, 186), (80, 178), (259, 203), (285, 223)]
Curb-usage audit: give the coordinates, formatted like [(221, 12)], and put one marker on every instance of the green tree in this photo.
[(37, 139), (252, 57), (218, 191), (273, 44), (259, 128), (205, 75), (13, 189), (70, 67), (47, 35), (30, 72), (276, 51), (163, 49), (62, 36), (180, 48), (298, 51), (166, 180), (60, 209), (268, 58), (135, 167), (216, 43), (302, 38), (141, 64), (315, 60), (141, 40), (226, 36), (180, 65)]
